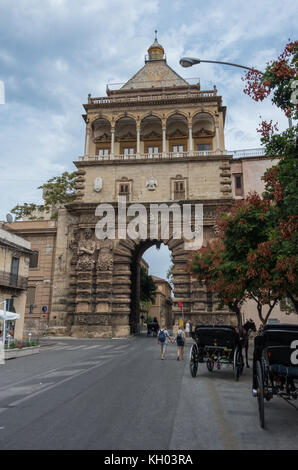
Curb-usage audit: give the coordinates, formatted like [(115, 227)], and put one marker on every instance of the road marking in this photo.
[(26, 389), (71, 348), (33, 395), (93, 347), (58, 373), (24, 380), (54, 348)]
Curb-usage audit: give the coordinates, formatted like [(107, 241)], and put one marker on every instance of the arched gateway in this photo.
[(156, 140)]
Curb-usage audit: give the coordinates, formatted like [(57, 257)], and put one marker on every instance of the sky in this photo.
[(54, 52)]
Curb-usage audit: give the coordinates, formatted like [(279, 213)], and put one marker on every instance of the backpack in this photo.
[(180, 341), (161, 336)]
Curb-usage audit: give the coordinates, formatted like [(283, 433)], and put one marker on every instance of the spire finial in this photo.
[(156, 51)]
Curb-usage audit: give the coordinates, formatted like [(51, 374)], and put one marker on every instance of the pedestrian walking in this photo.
[(187, 328), (180, 340), (163, 339)]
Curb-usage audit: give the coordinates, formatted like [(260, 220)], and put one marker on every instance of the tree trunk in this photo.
[(294, 301), (235, 308)]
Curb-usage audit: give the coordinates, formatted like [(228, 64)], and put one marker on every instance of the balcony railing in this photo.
[(155, 156), (12, 280), (152, 97), (260, 152), (172, 155)]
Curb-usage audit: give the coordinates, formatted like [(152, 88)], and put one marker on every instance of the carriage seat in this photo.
[(279, 358)]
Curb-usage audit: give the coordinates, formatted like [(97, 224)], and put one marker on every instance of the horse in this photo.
[(244, 333)]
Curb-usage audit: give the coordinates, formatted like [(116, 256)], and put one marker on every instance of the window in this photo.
[(14, 271), (203, 147), (124, 190), (179, 190), (30, 296), (128, 150), (9, 305), (238, 185), (103, 152), (33, 260), (153, 149), (178, 148)]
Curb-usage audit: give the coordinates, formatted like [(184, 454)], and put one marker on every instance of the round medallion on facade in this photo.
[(151, 183), (97, 186)]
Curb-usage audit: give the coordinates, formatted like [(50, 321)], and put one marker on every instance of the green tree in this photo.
[(57, 191), (147, 286)]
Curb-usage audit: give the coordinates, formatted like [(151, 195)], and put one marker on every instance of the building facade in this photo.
[(161, 307), (41, 234), (157, 139), (15, 254)]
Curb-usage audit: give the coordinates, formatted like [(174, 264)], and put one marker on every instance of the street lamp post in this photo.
[(190, 61)]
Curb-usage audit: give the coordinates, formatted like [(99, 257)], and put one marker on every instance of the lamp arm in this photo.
[(229, 63)]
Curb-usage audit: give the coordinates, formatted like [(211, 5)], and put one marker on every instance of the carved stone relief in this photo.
[(86, 249), (105, 255)]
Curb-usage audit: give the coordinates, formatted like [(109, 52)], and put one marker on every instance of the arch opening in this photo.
[(155, 259)]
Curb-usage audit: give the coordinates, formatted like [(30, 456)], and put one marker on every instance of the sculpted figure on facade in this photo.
[(86, 249), (105, 255), (73, 245)]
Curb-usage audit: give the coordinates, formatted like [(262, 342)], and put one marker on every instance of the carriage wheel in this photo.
[(241, 363), (260, 390), (210, 365), (193, 360), (237, 363)]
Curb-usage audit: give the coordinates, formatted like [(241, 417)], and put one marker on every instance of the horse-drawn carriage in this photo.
[(275, 365), (216, 345)]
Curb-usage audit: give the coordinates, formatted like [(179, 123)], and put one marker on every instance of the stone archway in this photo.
[(104, 273), (126, 279)]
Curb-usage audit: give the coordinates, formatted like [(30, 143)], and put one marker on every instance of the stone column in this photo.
[(138, 140), (190, 144), (164, 141), (112, 142), (87, 141), (217, 137)]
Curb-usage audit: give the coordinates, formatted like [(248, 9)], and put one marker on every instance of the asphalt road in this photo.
[(119, 395)]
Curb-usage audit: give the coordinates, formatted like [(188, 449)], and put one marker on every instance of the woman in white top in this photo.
[(187, 328)]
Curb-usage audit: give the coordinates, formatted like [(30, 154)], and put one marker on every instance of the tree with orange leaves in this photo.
[(241, 264)]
